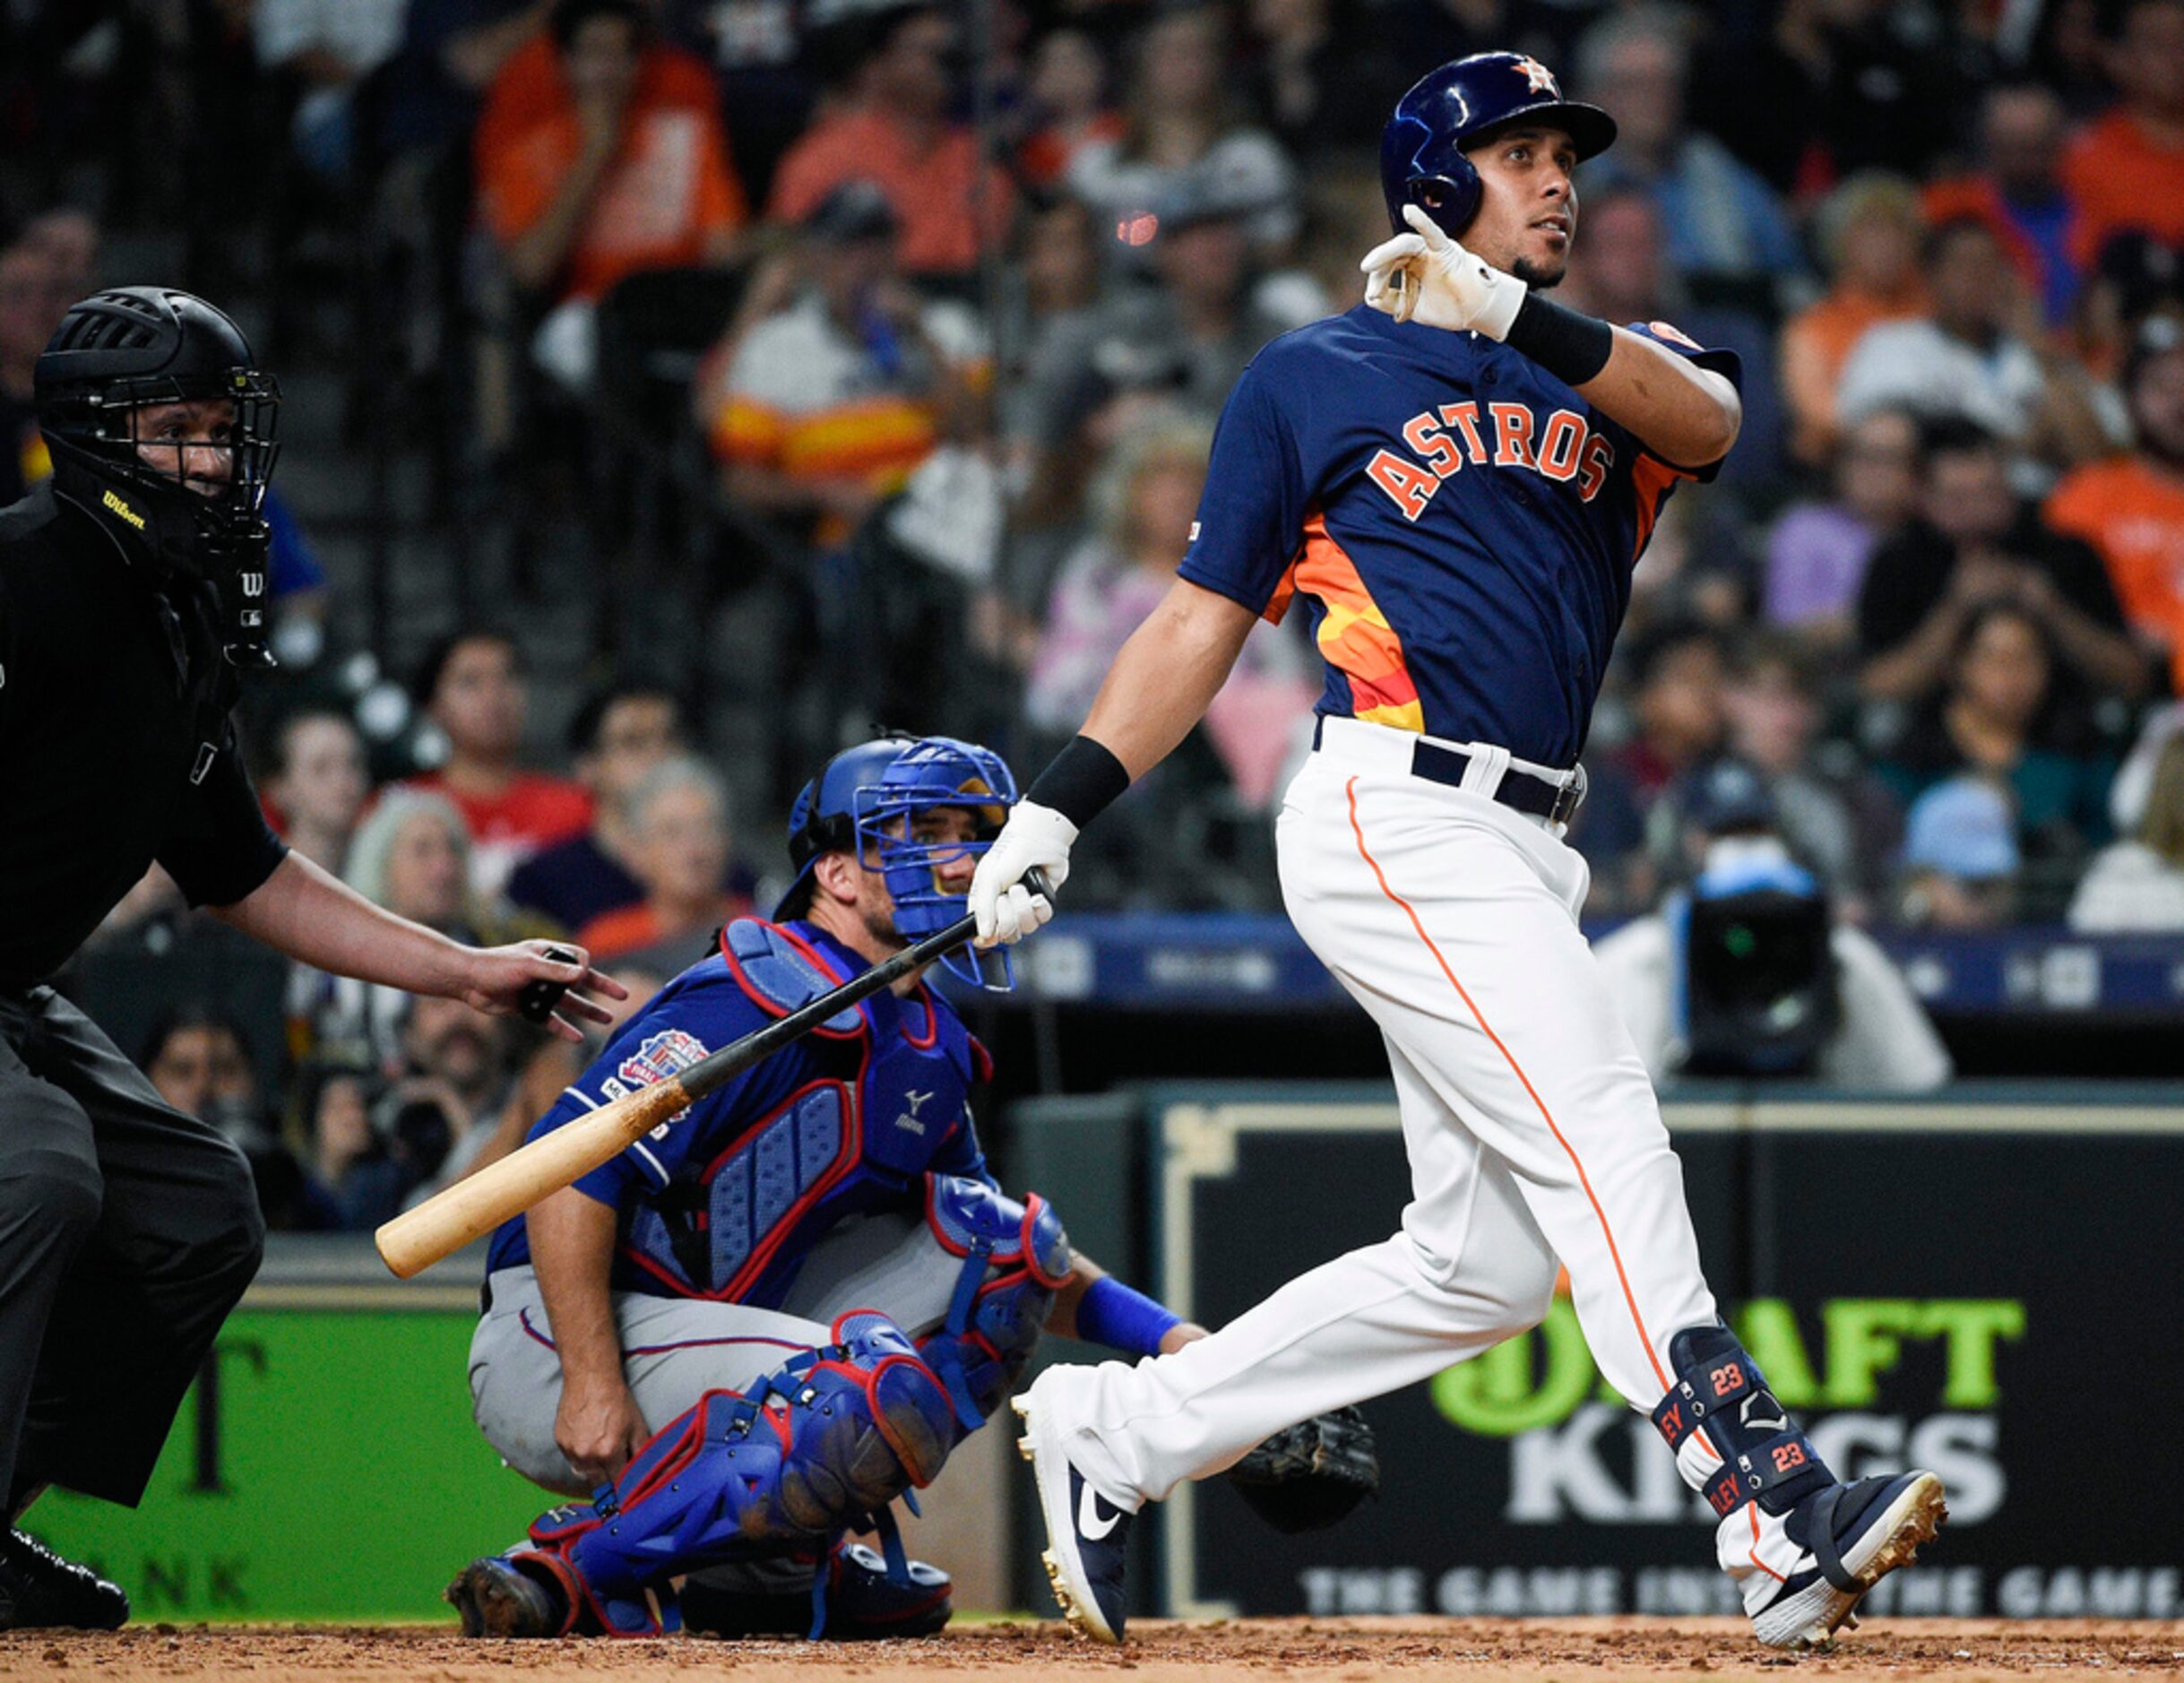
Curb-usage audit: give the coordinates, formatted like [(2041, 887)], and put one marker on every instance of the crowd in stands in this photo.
[(962, 289)]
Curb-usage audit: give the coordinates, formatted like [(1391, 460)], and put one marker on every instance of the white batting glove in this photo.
[(1034, 836), (1429, 278)]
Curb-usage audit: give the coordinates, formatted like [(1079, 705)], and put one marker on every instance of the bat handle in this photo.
[(538, 1001)]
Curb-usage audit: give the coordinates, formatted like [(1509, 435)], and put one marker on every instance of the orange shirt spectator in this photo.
[(1869, 230), (2124, 177), (665, 198), (2133, 513), (2126, 170), (891, 129), (2131, 509), (929, 178)]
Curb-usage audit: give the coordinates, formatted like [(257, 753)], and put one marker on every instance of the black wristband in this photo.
[(1571, 347), (1080, 781)]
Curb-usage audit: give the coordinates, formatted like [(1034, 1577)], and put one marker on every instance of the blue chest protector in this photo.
[(880, 1095)]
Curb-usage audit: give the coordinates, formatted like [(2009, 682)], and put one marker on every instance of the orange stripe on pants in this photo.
[(1607, 1232)]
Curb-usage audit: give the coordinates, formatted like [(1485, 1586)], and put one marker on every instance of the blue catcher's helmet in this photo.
[(1458, 106), (866, 801)]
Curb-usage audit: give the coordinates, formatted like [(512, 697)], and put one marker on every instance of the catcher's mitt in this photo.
[(1310, 1475)]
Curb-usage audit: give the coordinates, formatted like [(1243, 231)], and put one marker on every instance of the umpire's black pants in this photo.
[(127, 1231)]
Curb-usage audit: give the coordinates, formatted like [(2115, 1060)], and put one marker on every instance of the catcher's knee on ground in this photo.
[(823, 1445)]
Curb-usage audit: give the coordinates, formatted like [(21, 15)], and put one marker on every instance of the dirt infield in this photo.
[(1352, 1650)]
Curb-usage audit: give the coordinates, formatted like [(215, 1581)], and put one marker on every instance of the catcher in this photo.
[(749, 1333)]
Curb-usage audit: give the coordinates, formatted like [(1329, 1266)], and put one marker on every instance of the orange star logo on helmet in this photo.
[(1538, 77)]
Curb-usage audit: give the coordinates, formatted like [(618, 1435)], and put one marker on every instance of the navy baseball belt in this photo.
[(1539, 792)]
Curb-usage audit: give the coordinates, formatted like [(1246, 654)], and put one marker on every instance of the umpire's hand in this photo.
[(496, 977)]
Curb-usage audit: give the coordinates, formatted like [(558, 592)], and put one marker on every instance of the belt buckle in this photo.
[(1570, 797)]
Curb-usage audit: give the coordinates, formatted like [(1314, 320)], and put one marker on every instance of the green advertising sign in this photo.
[(326, 1467)]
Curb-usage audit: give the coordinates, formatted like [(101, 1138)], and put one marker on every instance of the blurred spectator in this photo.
[(1998, 720), (838, 380), (200, 1062), (2131, 508), (472, 687), (2126, 170), (1322, 76), (317, 785), (891, 126), (1617, 272), (680, 843), (1977, 354), (1183, 342), (1185, 140), (1745, 972), (1960, 858), (2018, 191), (1831, 88), (600, 155), (2136, 886), (1868, 233), (411, 855), (1817, 551), (445, 1105), (52, 263), (1976, 542), (325, 47), (26, 323), (1676, 676), (1069, 107), (1834, 816), (1115, 577), (617, 736), (196, 1059), (1723, 222), (362, 1179)]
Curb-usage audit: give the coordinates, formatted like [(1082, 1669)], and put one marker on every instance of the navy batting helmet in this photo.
[(1455, 108)]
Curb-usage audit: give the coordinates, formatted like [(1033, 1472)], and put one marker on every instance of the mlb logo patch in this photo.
[(659, 1057)]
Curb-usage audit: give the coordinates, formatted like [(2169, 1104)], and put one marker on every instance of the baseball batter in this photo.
[(1455, 480)]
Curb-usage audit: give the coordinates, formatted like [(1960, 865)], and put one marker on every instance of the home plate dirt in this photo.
[(1479, 1651)]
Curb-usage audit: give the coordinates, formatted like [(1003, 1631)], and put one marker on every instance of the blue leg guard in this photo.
[(1721, 1399), (1015, 1258), (823, 1445)]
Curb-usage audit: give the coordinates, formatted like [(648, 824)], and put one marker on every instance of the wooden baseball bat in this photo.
[(478, 1203)]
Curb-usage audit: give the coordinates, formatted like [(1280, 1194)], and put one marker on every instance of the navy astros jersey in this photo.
[(724, 1200), (1461, 525)]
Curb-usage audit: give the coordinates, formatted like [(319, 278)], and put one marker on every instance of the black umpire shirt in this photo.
[(116, 747)]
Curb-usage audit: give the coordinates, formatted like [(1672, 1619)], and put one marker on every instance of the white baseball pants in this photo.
[(1530, 1125)]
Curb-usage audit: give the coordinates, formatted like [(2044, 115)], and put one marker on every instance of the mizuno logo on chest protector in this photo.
[(917, 1101), (1560, 447)]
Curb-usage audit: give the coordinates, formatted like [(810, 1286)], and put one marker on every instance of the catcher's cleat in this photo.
[(1804, 1572), (41, 1591), (863, 1603), (1086, 1534), (496, 1598)]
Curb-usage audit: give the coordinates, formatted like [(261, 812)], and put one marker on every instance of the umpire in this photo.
[(131, 589)]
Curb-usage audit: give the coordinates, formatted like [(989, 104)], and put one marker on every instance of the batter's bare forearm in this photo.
[(1167, 674), (572, 1251), (1681, 412), (304, 910)]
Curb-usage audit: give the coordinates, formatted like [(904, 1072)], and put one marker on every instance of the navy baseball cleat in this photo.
[(39, 1590), (1086, 1534), (1814, 1563)]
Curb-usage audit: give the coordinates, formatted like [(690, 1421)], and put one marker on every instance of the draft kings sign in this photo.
[(1933, 1297)]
